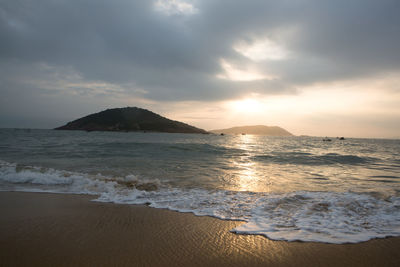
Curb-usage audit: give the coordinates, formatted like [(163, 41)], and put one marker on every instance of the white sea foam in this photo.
[(308, 216), (28, 178), (324, 217)]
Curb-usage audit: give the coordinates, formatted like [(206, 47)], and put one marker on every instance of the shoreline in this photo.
[(45, 229)]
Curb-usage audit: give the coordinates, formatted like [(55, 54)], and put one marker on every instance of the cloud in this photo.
[(129, 41), (175, 7), (191, 50), (260, 50)]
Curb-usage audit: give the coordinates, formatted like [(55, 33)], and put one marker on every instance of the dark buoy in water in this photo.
[(222, 134)]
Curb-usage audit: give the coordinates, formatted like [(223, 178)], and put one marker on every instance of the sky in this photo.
[(313, 67)]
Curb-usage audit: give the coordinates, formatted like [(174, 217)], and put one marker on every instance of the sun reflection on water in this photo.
[(247, 175)]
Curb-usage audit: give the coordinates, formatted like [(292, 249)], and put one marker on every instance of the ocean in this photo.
[(285, 188)]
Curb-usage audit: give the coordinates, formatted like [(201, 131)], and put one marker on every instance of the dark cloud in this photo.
[(177, 56)]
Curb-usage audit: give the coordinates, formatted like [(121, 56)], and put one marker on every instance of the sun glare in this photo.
[(248, 105)]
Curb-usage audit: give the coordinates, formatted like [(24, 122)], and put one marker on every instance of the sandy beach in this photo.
[(70, 230)]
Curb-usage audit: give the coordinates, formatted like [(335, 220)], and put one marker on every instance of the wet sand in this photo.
[(70, 230)]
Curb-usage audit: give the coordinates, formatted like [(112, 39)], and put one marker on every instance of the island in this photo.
[(255, 129), (129, 119)]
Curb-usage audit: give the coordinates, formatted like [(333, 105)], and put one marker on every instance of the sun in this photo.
[(249, 105)]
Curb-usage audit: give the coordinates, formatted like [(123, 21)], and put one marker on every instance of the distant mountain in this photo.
[(129, 119), (255, 129)]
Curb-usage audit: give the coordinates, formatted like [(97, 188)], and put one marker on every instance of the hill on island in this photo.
[(255, 129), (129, 119)]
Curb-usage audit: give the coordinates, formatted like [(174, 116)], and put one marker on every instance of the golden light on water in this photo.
[(246, 178)]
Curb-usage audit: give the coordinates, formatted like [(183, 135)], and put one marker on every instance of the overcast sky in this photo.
[(327, 68)]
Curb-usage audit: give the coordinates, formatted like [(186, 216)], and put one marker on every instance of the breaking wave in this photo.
[(332, 217)]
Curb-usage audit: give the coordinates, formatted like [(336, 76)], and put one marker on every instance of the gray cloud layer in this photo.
[(177, 57)]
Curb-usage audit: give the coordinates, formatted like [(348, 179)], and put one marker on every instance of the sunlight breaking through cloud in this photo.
[(263, 49), (242, 73)]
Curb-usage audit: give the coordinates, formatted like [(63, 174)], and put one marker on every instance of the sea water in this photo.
[(285, 188)]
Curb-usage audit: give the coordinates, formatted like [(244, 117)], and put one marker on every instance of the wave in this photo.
[(129, 149), (21, 177), (301, 158), (332, 217)]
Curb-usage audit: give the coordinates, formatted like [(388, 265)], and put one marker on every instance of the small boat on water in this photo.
[(326, 139)]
